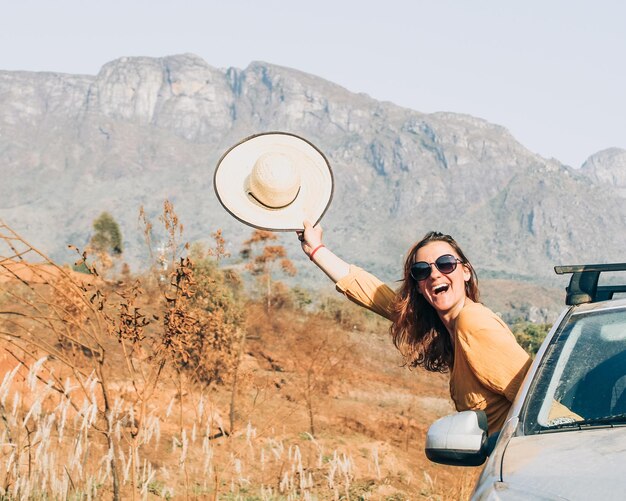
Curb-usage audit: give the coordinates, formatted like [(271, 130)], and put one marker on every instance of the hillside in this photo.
[(135, 388), (370, 418), (148, 129)]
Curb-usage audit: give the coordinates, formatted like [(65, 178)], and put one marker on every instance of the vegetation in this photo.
[(530, 335), (263, 256), (107, 235), (179, 384), (104, 245)]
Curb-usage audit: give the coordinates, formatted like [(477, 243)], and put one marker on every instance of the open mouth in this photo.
[(438, 289)]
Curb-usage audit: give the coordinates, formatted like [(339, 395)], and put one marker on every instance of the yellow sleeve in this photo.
[(491, 350), (366, 290)]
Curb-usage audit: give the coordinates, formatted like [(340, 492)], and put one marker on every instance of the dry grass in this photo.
[(368, 444), (100, 396)]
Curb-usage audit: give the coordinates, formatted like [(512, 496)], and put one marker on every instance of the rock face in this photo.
[(145, 129), (608, 168)]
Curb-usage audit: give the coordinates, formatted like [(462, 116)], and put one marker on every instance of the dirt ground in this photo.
[(364, 401)]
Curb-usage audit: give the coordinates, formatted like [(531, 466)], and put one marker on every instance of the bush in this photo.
[(218, 308), (530, 335)]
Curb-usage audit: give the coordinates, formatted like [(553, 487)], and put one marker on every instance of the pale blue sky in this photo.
[(553, 72)]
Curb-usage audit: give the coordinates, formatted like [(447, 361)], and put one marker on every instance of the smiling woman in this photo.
[(437, 321)]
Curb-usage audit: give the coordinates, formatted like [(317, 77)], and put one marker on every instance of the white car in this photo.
[(565, 435)]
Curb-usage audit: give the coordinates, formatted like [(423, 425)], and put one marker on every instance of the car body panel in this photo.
[(574, 464)]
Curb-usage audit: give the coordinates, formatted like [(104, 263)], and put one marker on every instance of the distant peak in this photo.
[(608, 153), (186, 59), (262, 64)]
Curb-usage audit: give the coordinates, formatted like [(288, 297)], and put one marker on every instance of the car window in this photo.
[(582, 376)]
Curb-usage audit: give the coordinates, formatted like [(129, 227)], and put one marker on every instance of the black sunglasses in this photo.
[(446, 264)]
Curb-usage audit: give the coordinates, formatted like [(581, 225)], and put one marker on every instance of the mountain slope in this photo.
[(147, 129)]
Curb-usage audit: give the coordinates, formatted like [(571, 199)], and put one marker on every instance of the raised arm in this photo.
[(356, 284), (311, 241)]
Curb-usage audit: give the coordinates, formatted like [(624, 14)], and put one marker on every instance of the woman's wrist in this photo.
[(315, 250)]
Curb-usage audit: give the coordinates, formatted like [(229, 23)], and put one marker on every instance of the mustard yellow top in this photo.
[(489, 364)]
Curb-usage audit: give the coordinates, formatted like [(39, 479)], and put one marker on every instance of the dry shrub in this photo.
[(351, 316), (263, 256), (201, 314), (216, 342)]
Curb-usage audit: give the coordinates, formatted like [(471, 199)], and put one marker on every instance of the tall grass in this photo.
[(52, 450)]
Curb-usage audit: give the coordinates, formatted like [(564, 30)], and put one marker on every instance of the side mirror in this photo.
[(458, 439)]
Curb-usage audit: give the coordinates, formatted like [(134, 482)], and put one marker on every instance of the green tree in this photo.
[(107, 236)]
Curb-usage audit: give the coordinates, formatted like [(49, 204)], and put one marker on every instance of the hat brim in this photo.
[(316, 182)]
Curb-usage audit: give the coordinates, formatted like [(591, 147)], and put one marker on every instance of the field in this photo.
[(186, 382), (319, 411)]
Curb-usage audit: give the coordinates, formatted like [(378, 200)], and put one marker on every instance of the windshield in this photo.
[(582, 378)]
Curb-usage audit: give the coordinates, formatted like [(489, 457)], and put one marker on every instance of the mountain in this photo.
[(608, 168), (148, 129)]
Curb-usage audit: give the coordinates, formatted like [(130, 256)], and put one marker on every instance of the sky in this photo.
[(553, 72)]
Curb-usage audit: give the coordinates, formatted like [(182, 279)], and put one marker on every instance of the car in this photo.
[(565, 434)]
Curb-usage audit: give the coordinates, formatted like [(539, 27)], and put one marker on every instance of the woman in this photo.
[(437, 321)]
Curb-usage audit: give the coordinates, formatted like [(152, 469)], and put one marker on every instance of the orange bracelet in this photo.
[(315, 250)]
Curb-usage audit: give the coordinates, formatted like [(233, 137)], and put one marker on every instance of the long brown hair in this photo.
[(417, 330)]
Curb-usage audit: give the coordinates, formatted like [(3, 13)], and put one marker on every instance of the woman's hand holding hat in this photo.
[(311, 241), (310, 238)]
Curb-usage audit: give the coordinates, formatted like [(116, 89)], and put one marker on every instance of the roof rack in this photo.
[(583, 286)]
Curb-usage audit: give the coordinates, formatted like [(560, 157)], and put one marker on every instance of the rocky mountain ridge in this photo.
[(148, 129)]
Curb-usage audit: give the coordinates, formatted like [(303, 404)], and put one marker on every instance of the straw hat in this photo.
[(274, 181)]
